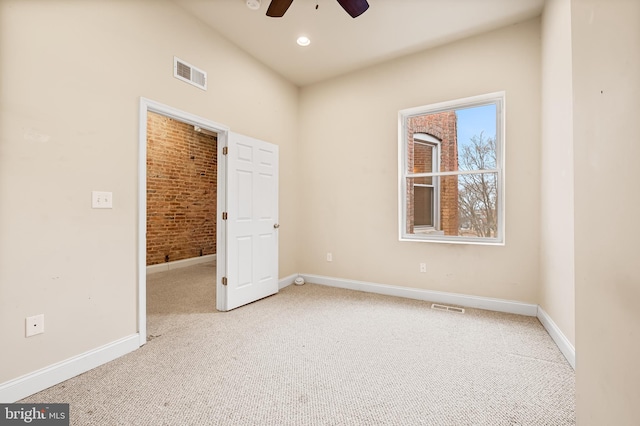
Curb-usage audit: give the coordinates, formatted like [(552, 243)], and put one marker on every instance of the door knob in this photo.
[(276, 225)]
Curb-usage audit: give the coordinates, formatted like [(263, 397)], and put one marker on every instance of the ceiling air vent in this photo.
[(188, 73)]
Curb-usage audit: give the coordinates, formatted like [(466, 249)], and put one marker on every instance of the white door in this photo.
[(249, 269)]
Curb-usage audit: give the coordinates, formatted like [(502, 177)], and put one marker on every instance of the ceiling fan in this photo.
[(355, 8)]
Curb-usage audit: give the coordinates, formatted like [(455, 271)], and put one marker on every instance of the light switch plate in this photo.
[(101, 200)]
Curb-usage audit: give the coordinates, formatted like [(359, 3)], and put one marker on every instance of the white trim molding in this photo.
[(163, 267), (26, 385), (478, 302), (558, 337), (21, 387), (287, 281)]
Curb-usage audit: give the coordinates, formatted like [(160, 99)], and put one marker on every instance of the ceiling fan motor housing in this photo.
[(355, 8)]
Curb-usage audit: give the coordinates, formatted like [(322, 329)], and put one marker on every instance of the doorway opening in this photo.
[(181, 220), (181, 190)]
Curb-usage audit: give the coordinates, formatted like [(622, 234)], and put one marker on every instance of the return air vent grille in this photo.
[(188, 73), (447, 308)]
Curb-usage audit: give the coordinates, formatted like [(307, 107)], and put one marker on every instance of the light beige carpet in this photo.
[(316, 355)]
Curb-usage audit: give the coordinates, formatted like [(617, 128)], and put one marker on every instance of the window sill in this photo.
[(430, 238)]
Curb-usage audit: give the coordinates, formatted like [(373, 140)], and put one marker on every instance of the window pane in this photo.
[(466, 137), (459, 206), (476, 136), (478, 205)]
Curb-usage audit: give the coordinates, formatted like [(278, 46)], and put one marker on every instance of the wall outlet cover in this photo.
[(34, 325)]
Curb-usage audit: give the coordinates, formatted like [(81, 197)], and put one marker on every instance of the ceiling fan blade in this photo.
[(277, 8), (354, 8)]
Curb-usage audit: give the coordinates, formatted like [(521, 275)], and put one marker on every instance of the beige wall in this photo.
[(70, 81), (349, 157), (557, 290), (71, 77), (606, 81)]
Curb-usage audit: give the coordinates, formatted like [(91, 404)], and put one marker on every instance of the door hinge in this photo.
[(225, 150), (224, 215), (224, 280)]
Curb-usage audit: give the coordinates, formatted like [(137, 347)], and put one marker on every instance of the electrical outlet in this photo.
[(423, 267), (329, 257), (101, 200), (34, 325)]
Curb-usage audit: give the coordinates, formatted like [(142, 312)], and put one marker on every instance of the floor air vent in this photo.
[(190, 74), (447, 308)]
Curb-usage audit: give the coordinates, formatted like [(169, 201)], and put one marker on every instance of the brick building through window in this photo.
[(432, 201)]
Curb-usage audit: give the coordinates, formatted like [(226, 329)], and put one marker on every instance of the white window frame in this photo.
[(497, 98)]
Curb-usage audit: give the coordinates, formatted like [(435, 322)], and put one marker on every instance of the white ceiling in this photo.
[(339, 43)]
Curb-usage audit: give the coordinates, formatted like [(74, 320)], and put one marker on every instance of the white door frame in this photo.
[(147, 105)]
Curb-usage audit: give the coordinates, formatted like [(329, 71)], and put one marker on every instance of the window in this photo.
[(425, 188), (452, 171)]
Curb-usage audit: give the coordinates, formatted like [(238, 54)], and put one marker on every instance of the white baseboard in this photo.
[(287, 281), (21, 387), (162, 267), (499, 305), (558, 337)]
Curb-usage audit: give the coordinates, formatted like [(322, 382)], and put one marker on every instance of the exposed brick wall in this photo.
[(442, 126), (181, 191)]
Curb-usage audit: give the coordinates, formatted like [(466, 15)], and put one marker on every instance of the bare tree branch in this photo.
[(477, 193)]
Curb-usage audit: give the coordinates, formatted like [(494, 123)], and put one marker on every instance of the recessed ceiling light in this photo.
[(303, 41), (253, 4)]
